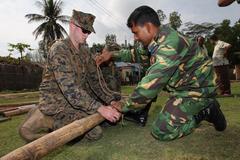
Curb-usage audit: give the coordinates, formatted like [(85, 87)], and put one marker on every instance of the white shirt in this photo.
[(218, 54)]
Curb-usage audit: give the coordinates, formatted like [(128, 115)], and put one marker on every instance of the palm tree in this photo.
[(50, 29)]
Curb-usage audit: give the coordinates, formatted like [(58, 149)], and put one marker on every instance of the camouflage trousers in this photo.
[(38, 124), (177, 117)]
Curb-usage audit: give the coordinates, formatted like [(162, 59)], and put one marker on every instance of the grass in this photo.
[(130, 142)]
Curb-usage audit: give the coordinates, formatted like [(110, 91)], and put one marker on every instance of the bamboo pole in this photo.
[(44, 145), (8, 109), (19, 110)]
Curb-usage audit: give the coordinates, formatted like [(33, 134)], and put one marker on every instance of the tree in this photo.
[(96, 48), (236, 31), (111, 38), (20, 47), (225, 32), (175, 20), (50, 29), (161, 15), (204, 29)]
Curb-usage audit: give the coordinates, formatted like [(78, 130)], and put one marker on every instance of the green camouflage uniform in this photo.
[(138, 56), (109, 70), (179, 67)]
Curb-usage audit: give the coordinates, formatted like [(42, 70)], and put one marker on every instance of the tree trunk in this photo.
[(44, 145)]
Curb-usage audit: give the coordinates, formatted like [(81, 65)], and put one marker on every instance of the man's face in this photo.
[(142, 34), (80, 35)]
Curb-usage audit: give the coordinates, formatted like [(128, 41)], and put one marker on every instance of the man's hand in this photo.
[(117, 105), (109, 113), (104, 57)]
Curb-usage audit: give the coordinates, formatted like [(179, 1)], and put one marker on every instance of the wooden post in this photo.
[(44, 145)]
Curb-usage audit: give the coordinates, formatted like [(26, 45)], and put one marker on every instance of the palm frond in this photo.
[(35, 17), (58, 7), (51, 14), (61, 29), (38, 31), (63, 19)]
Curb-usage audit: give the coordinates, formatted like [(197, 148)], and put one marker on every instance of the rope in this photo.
[(106, 90), (103, 84)]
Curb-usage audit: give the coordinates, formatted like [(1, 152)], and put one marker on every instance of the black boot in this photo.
[(139, 117), (212, 114)]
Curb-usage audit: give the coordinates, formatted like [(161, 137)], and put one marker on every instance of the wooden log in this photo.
[(8, 109), (19, 110), (44, 145)]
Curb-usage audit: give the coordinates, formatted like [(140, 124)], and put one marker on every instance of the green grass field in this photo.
[(131, 142)]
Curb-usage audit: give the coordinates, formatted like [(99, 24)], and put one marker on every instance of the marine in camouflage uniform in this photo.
[(179, 67), (70, 89)]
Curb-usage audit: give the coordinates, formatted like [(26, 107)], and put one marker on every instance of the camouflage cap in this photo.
[(85, 20)]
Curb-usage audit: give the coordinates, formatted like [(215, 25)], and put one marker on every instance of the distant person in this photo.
[(224, 3), (221, 65), (109, 69), (201, 41)]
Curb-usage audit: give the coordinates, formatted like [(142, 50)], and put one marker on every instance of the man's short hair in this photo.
[(142, 15), (214, 37)]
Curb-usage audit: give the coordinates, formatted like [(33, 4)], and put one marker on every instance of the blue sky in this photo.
[(111, 16)]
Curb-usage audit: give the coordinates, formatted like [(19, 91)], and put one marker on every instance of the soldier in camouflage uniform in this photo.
[(71, 88), (179, 67), (136, 55), (109, 70)]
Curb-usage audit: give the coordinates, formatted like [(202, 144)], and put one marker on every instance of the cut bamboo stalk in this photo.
[(46, 144), (19, 110)]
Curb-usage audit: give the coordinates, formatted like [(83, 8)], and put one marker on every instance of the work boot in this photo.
[(212, 114), (35, 125)]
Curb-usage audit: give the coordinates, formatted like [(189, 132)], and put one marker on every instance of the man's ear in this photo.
[(148, 27)]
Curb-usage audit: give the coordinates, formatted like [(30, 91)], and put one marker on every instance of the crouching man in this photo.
[(70, 89), (179, 67)]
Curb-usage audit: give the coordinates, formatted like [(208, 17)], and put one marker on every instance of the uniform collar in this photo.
[(153, 45)]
